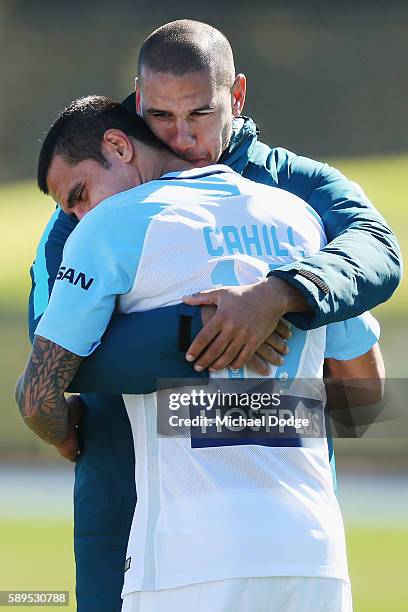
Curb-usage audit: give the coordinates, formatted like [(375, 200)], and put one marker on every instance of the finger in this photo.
[(69, 453), (218, 347), (203, 339), (208, 298), (227, 355), (269, 354), (260, 366), (69, 449), (280, 345), (207, 312), (283, 330), (246, 353)]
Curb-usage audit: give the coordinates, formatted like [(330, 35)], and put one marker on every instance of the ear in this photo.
[(238, 93), (116, 143), (138, 97)]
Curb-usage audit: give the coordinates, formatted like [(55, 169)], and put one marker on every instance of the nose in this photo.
[(184, 137)]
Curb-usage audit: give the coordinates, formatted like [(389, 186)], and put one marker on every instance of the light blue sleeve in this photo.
[(352, 338), (99, 262)]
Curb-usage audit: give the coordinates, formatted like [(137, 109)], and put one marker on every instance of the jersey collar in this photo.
[(196, 173)]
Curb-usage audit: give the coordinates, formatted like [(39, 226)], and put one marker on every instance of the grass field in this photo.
[(38, 556), (377, 564)]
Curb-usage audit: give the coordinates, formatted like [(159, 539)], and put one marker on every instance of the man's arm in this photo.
[(137, 349), (362, 377), (156, 336), (354, 390), (40, 390), (354, 367), (360, 267)]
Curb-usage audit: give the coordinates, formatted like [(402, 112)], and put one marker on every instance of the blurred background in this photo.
[(327, 80)]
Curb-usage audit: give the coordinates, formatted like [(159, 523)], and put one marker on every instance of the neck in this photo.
[(172, 163), (152, 163)]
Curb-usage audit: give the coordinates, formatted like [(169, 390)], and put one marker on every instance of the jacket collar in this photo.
[(243, 140)]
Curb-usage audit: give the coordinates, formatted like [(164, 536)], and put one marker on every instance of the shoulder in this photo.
[(284, 160), (115, 230), (115, 212), (301, 175)]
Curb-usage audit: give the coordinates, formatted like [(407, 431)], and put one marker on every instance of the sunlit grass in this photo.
[(377, 565), (38, 556), (25, 213)]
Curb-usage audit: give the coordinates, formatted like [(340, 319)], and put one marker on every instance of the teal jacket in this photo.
[(359, 268)]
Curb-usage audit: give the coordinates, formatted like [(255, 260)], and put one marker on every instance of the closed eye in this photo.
[(202, 113), (159, 115), (75, 195)]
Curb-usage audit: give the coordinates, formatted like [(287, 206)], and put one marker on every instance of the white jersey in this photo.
[(210, 512)]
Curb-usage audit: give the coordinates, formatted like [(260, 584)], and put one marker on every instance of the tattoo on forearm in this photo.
[(40, 391)]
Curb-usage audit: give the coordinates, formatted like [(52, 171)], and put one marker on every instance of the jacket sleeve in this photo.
[(136, 349), (360, 267), (139, 350), (47, 261)]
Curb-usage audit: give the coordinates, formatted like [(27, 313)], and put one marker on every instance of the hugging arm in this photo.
[(136, 349), (40, 390), (360, 267)]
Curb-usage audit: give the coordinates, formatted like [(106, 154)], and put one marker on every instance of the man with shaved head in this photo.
[(190, 97), (190, 46), (186, 93)]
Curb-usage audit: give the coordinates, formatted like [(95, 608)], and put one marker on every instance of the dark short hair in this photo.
[(78, 131), (185, 46)]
